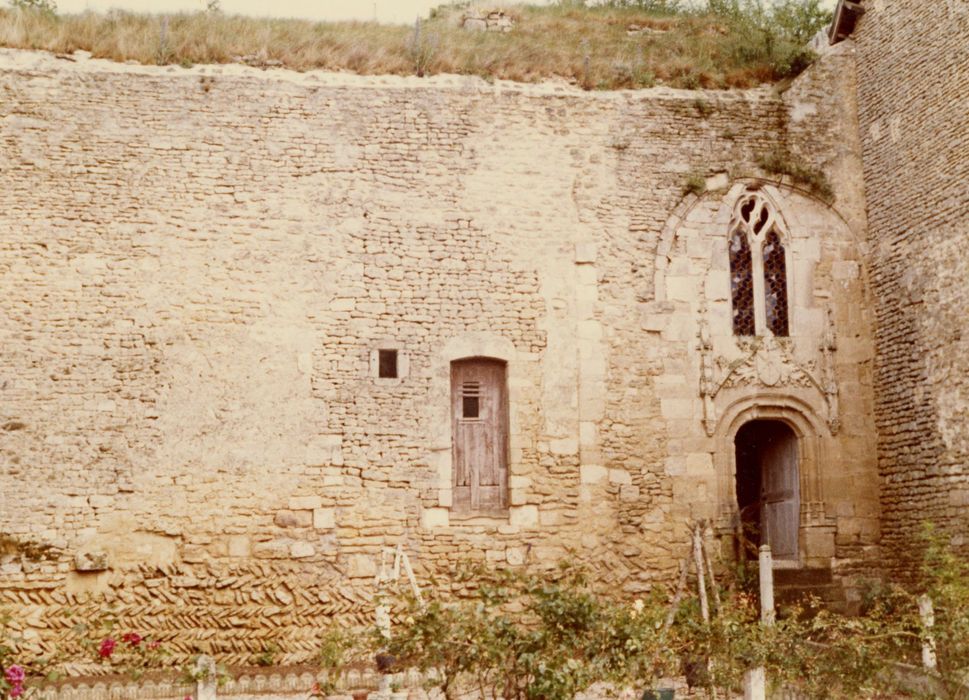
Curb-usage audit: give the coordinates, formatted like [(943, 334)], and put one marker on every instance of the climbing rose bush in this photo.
[(14, 678)]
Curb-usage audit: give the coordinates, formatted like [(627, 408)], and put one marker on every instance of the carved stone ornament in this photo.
[(767, 362)]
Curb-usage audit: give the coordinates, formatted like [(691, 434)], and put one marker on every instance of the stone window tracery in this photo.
[(741, 285), (775, 284), (758, 269)]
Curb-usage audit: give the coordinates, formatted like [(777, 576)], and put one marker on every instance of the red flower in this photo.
[(154, 644), (107, 648), (15, 676), (131, 638)]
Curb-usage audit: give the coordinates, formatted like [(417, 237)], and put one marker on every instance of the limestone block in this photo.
[(676, 408), (699, 464), (679, 327), (845, 270), (100, 501), (959, 497), (239, 546), (91, 561), (564, 446), (294, 518), (717, 287), (361, 566), (628, 492), (323, 450), (655, 323), (273, 549), (301, 550), (587, 275), (592, 473), (517, 497), (304, 362), (445, 498), (717, 181), (435, 517), (324, 518), (585, 252), (590, 331), (818, 543), (523, 516), (680, 288), (305, 502), (620, 476), (519, 482), (515, 556), (548, 518), (675, 465)]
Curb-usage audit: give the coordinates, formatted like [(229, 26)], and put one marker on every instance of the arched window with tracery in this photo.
[(758, 269), (741, 284), (775, 284)]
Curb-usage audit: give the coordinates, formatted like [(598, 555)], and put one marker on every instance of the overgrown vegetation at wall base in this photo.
[(720, 44), (530, 635)]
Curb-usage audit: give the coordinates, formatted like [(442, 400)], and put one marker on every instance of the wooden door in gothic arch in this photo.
[(768, 485)]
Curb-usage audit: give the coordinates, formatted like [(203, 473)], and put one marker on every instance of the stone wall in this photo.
[(913, 60), (199, 264)]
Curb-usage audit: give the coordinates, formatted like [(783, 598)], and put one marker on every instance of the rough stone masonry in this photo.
[(913, 62), (200, 269)]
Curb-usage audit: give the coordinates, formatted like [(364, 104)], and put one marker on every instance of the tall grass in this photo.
[(604, 47)]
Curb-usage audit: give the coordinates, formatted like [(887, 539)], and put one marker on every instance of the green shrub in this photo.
[(526, 635), (782, 162), (696, 184), (47, 7)]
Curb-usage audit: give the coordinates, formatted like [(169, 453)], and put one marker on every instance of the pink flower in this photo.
[(15, 675), (131, 638), (16, 691), (107, 648), (154, 644)]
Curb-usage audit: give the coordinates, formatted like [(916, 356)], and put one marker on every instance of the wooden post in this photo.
[(755, 684), (700, 578), (713, 580), (206, 678), (766, 586), (927, 614), (755, 680), (678, 595)]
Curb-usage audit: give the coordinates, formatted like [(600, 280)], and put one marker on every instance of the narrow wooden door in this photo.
[(780, 495), (479, 410)]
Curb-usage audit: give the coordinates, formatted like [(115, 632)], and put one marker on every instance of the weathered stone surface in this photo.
[(91, 561), (913, 76), (196, 281), (294, 518)]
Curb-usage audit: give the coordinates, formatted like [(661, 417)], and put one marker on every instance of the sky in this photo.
[(396, 11)]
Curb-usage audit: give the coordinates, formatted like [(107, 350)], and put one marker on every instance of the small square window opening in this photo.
[(387, 364), (470, 407)]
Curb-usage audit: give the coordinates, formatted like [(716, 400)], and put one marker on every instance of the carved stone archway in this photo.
[(812, 436)]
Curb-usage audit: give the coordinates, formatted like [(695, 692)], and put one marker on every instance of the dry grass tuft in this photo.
[(591, 47)]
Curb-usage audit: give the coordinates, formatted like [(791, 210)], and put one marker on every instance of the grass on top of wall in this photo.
[(595, 47)]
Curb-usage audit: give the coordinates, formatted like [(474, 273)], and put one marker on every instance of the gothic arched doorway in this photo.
[(768, 485)]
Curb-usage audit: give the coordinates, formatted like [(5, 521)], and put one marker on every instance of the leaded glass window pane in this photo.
[(741, 284), (775, 285)]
